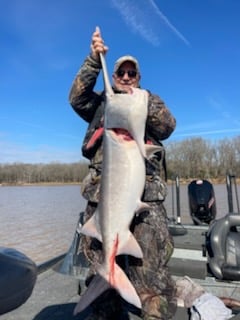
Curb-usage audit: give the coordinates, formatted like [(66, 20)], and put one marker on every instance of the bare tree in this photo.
[(189, 158)]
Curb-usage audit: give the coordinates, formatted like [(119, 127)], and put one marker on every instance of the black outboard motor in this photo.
[(202, 202), (223, 247)]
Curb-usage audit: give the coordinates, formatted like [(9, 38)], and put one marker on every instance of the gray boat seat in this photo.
[(223, 247), (18, 274)]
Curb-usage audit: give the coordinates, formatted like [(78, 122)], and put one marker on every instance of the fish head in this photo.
[(128, 111)]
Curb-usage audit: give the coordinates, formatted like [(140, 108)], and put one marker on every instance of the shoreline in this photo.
[(169, 183), (43, 184)]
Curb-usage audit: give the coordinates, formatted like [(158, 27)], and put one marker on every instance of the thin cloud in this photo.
[(15, 153), (136, 19), (223, 121), (142, 17), (205, 133), (223, 111), (40, 127), (168, 23)]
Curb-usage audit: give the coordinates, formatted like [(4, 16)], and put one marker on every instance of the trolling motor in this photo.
[(202, 202)]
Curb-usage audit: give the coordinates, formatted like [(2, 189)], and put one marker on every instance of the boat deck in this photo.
[(54, 298), (55, 295)]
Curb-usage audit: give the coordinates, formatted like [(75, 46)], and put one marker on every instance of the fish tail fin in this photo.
[(96, 287), (103, 281), (119, 281)]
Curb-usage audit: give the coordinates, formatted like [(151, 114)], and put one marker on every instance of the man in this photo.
[(149, 276)]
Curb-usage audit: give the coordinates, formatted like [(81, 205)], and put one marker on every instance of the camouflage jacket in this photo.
[(89, 105)]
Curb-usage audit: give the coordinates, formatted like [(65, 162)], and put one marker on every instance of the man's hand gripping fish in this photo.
[(121, 188)]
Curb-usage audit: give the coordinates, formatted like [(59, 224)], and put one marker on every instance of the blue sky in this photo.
[(189, 54)]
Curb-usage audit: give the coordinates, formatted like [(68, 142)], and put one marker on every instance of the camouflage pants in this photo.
[(150, 276)]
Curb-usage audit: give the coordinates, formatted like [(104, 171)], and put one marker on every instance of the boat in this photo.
[(207, 251), (201, 248)]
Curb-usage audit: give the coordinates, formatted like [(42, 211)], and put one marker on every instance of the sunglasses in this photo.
[(131, 73)]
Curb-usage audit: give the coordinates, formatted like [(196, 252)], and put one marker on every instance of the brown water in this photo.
[(40, 221)]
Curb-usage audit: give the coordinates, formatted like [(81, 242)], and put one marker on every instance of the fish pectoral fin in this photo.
[(130, 247), (122, 284), (90, 228), (151, 149), (142, 206), (96, 287)]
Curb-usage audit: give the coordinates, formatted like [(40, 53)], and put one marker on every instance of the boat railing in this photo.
[(232, 191)]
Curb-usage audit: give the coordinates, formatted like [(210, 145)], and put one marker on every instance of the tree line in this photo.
[(21, 173), (189, 159), (200, 158)]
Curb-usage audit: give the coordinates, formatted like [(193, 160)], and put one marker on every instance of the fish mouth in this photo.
[(121, 134)]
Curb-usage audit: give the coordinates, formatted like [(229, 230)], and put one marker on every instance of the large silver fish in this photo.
[(121, 188)]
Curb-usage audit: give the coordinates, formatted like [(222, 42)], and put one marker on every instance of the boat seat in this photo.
[(223, 247), (18, 274)]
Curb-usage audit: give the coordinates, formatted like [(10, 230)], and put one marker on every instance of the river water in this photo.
[(40, 221)]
